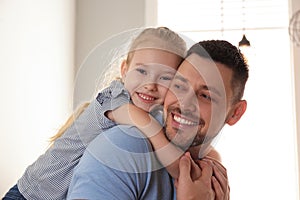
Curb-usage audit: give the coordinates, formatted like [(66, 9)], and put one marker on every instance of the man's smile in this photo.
[(183, 121)]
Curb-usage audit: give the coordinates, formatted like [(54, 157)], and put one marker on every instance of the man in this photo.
[(217, 98), (204, 96)]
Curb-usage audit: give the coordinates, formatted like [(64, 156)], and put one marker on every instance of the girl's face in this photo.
[(148, 75)]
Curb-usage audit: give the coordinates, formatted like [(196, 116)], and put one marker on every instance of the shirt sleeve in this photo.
[(109, 99)]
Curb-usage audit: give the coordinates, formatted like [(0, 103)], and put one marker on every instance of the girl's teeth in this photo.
[(146, 97), (184, 121)]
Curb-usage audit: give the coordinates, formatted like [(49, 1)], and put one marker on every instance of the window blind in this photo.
[(222, 15)]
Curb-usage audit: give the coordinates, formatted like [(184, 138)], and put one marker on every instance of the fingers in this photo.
[(212, 179), (195, 170), (207, 169), (218, 167), (219, 180), (198, 189), (219, 193), (217, 163), (184, 168)]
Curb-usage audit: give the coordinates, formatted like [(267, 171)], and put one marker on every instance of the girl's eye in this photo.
[(142, 71), (166, 78)]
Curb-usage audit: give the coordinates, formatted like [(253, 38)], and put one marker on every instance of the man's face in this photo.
[(198, 102)]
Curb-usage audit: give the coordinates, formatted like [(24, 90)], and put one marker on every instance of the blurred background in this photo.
[(43, 43)]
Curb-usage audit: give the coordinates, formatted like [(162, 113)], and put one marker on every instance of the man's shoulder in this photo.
[(123, 148), (125, 137)]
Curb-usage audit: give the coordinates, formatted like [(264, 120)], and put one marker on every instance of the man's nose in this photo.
[(189, 102)]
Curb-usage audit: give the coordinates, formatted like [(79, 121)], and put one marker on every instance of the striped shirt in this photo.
[(50, 175)]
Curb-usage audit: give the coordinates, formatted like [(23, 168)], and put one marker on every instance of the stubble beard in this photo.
[(172, 133)]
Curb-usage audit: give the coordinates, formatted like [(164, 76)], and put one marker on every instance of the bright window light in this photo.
[(259, 152)]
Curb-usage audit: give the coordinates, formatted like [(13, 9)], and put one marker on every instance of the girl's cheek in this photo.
[(164, 92), (169, 98), (130, 84)]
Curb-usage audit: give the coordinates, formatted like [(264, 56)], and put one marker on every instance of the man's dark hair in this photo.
[(225, 53)]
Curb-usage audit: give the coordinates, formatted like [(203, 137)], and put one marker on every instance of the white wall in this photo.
[(36, 75), (96, 21), (40, 47)]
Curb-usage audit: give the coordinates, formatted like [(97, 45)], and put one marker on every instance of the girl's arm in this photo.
[(167, 153)]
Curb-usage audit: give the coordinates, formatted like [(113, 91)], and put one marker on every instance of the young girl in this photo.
[(152, 59)]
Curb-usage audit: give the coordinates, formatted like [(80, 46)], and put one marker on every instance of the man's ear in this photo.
[(237, 112), (124, 68)]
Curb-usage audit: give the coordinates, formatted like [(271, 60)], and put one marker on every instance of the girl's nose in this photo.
[(151, 86)]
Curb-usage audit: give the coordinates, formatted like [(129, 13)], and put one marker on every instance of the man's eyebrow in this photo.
[(204, 87), (181, 78)]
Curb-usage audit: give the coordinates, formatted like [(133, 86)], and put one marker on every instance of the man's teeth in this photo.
[(148, 98), (184, 121)]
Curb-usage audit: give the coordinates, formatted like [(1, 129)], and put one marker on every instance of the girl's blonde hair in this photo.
[(156, 38), (69, 122), (161, 38)]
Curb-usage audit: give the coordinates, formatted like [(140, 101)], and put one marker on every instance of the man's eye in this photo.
[(142, 71), (178, 87), (206, 97)]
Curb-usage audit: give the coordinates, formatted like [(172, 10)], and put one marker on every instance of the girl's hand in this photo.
[(219, 179)]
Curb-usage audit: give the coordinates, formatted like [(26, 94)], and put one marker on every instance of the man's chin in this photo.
[(182, 143), (199, 141), (174, 136)]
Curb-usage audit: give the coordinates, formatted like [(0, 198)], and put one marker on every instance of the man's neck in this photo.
[(199, 151)]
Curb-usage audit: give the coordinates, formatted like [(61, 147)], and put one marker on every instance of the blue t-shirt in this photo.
[(120, 164)]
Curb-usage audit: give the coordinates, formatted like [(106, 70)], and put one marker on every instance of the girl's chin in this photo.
[(143, 106)]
